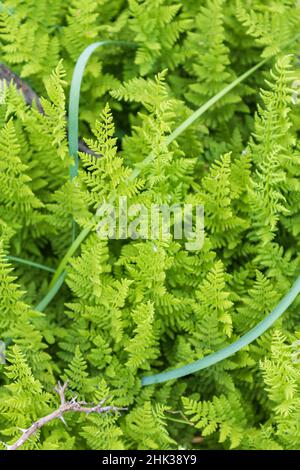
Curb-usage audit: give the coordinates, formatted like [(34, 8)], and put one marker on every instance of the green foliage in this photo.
[(146, 427), (208, 60), (157, 27), (22, 400), (269, 23), (271, 152), (134, 307), (225, 417)]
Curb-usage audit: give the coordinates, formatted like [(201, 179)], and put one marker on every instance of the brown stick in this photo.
[(30, 97), (65, 407), (29, 94)]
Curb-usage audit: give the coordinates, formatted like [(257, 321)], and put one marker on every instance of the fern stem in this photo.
[(228, 351), (30, 263)]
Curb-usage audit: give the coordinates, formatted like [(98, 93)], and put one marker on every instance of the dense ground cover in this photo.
[(132, 308)]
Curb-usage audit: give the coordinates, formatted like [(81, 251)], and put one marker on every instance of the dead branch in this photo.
[(31, 97), (29, 94), (65, 407)]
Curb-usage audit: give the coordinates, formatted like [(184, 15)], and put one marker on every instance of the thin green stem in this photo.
[(181, 421), (71, 251), (228, 351), (52, 292), (30, 263), (200, 111), (194, 116)]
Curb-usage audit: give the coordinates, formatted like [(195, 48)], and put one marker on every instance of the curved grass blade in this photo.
[(30, 263), (228, 351)]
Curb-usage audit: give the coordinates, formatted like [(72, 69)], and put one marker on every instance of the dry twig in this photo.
[(65, 406)]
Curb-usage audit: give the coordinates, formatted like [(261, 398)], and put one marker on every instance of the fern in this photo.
[(208, 60), (133, 307), (157, 27), (272, 147), (141, 347), (149, 424), (23, 399), (222, 415)]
